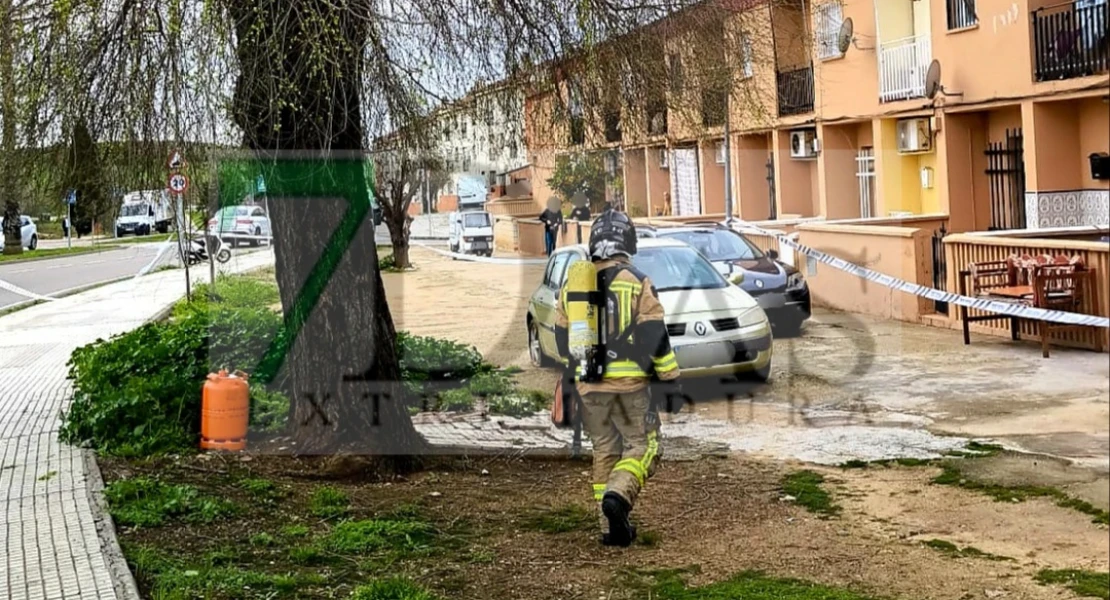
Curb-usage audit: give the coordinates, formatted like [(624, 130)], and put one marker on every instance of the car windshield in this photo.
[(476, 220), (677, 268), (133, 210), (719, 245), (234, 211)]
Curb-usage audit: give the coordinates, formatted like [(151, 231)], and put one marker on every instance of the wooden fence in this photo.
[(964, 249)]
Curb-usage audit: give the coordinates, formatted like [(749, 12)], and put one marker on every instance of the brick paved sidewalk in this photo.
[(57, 543)]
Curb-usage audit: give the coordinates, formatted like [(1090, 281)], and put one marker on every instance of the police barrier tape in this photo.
[(901, 285), (485, 259)]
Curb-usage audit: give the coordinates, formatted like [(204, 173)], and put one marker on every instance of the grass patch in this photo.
[(649, 538), (954, 551), (145, 502), (48, 476), (262, 489), (805, 487), (395, 588), (888, 462), (952, 475), (171, 579), (748, 585), (294, 531), (1087, 584), (563, 519), (327, 503), (261, 539), (371, 535)]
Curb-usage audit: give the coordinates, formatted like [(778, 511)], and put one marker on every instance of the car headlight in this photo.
[(751, 317), (795, 281)]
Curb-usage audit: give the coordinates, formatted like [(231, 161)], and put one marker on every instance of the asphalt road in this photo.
[(53, 275)]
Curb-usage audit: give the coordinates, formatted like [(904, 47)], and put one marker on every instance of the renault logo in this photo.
[(699, 328), (758, 283)]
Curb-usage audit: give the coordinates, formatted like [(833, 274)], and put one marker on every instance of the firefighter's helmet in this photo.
[(612, 234)]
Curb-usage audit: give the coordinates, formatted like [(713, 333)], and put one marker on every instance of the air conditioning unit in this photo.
[(720, 153), (663, 159), (803, 143), (915, 135)]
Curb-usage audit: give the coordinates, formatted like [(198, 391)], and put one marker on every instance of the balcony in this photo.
[(902, 67), (795, 90), (1070, 39)]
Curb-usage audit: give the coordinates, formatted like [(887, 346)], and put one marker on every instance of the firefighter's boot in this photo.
[(621, 530)]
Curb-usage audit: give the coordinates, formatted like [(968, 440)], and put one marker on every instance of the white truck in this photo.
[(471, 232), (144, 212)]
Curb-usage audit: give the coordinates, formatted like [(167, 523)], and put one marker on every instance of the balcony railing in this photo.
[(902, 67), (1070, 40), (795, 89)]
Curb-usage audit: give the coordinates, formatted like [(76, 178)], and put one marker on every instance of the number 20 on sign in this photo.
[(178, 183)]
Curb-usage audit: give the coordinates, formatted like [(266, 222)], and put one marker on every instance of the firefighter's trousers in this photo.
[(625, 439)]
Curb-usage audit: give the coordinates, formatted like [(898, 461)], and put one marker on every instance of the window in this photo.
[(961, 14), (719, 245), (258, 212), (747, 67), (573, 258), (678, 268), (24, 221), (829, 18), (555, 268), (674, 65), (478, 219)]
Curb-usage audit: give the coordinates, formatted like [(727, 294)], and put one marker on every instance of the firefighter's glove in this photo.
[(668, 396)]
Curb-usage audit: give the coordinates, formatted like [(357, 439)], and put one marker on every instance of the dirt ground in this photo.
[(716, 517), (848, 387)]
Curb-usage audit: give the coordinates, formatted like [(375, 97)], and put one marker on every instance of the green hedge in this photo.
[(140, 392)]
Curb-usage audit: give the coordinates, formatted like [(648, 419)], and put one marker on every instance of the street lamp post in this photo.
[(728, 165)]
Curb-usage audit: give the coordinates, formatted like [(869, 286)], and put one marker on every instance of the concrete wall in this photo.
[(712, 178), (635, 182), (658, 180), (903, 252)]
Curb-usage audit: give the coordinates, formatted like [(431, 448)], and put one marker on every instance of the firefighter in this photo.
[(616, 405)]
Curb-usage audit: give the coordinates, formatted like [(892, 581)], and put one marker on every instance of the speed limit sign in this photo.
[(178, 183)]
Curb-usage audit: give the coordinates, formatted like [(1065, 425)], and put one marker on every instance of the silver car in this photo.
[(28, 232), (715, 327)]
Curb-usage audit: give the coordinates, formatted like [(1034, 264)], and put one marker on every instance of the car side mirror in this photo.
[(773, 254), (736, 278)]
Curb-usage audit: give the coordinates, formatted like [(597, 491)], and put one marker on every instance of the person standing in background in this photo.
[(552, 219)]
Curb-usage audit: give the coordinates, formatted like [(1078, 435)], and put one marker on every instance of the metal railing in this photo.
[(795, 91), (961, 14), (902, 67), (1070, 39)]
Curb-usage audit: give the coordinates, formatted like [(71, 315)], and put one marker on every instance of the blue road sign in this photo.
[(71, 197), (260, 185)]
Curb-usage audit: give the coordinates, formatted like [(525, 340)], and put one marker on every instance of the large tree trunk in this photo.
[(342, 369), (9, 190)]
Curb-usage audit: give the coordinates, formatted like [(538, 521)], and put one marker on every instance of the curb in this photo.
[(122, 579), (18, 306)]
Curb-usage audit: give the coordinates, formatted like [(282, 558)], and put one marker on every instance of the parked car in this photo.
[(778, 287), (236, 224), (28, 232), (715, 327)]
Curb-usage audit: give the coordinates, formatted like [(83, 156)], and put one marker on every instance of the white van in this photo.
[(471, 233)]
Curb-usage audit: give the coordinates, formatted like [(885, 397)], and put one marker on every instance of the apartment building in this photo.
[(481, 140), (994, 113)]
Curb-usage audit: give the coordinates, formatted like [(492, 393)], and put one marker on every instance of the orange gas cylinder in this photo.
[(224, 411)]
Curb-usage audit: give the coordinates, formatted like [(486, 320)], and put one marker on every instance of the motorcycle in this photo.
[(197, 250)]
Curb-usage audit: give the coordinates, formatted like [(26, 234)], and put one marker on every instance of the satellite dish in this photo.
[(845, 37), (933, 85)]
